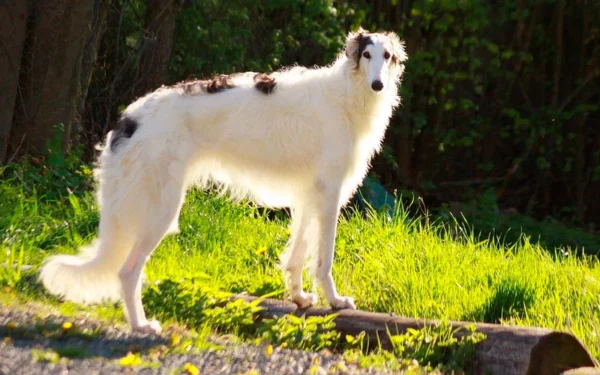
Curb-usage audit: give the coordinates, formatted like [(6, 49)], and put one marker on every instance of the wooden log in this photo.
[(506, 350)]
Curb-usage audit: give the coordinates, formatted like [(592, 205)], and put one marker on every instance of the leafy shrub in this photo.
[(312, 333), (196, 305), (438, 346)]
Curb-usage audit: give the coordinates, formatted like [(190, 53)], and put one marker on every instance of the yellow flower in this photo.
[(191, 369), (130, 360), (261, 250), (269, 350), (175, 339), (341, 366), (67, 325), (11, 325)]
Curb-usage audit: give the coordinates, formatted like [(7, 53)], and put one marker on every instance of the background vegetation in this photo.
[(499, 96)]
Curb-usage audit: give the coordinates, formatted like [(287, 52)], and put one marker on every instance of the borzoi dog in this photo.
[(298, 138)]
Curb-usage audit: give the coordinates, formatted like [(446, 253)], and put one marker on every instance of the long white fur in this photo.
[(306, 146)]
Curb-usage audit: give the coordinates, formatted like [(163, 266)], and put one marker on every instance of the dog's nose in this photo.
[(377, 85)]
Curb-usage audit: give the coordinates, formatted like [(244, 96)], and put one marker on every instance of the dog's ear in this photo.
[(399, 55), (353, 41)]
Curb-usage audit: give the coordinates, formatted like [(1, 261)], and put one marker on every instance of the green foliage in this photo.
[(488, 91), (71, 352), (438, 346), (218, 37), (54, 175), (484, 96), (45, 356), (12, 259), (196, 305), (312, 333), (236, 316)]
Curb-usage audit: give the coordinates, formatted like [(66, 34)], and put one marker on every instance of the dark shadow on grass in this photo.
[(510, 228), (510, 300)]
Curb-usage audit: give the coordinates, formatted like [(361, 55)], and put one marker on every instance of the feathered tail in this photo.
[(92, 276)]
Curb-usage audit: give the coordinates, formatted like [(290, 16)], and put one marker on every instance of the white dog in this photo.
[(299, 138)]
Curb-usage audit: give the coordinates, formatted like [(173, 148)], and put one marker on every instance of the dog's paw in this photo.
[(342, 302), (305, 300), (151, 327)]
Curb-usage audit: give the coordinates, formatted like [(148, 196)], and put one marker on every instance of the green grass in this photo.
[(388, 263)]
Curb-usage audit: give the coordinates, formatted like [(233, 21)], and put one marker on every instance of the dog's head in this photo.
[(379, 56)]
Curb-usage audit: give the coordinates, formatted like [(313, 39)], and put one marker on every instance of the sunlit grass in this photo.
[(388, 263)]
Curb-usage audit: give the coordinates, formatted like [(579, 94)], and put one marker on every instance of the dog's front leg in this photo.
[(327, 219)]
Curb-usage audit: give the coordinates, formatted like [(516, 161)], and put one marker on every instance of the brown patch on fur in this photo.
[(210, 86), (264, 83)]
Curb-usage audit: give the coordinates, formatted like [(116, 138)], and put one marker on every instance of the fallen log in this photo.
[(506, 349)]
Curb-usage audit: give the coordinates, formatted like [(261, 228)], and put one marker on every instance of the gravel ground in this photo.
[(27, 337)]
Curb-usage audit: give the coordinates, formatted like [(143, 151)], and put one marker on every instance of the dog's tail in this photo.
[(92, 276)]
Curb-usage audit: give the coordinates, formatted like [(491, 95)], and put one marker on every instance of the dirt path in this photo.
[(42, 344)]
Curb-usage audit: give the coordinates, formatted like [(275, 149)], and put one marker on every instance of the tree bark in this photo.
[(157, 44), (90, 52), (13, 24), (51, 71)]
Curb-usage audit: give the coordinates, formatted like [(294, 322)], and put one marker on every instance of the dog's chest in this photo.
[(358, 163)]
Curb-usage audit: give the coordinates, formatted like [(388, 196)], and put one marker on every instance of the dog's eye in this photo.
[(386, 55), (367, 55)]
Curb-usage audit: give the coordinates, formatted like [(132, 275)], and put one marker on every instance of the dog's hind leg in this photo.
[(293, 258), (152, 233)]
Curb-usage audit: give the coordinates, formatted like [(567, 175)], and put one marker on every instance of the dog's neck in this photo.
[(368, 111)]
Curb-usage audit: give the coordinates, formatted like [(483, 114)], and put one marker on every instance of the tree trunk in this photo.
[(90, 51), (13, 23), (157, 44), (51, 72)]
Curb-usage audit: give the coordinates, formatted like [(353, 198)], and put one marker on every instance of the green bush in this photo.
[(52, 176)]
